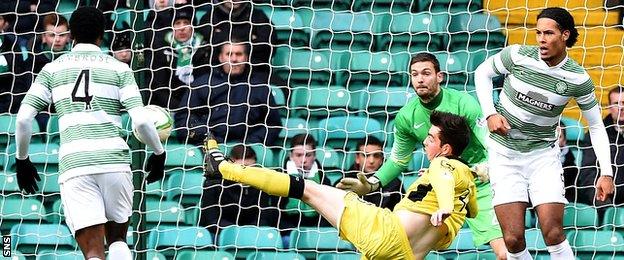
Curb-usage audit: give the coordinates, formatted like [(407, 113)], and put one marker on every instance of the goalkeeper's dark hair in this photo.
[(565, 22), (423, 57), (87, 25), (454, 130)]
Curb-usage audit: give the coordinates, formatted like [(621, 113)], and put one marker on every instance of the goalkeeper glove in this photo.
[(361, 186), (482, 170), (155, 167), (27, 176)]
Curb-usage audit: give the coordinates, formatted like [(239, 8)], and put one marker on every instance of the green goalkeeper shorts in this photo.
[(484, 227)]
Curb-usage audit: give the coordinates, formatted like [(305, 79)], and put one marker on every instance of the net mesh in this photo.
[(336, 70)]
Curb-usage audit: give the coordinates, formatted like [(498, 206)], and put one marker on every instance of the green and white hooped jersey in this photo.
[(88, 89), (534, 96)]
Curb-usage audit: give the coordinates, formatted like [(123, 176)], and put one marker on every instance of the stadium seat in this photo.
[(7, 129), (408, 178), (16, 209), (160, 213), (343, 30), (31, 238), (275, 256), (412, 33), (171, 239), (344, 131), (244, 240), (60, 255), (463, 241), (384, 103), (575, 131), (599, 242), (280, 98), (451, 65), (340, 256), (580, 215), (534, 240), (372, 68), (320, 101), (192, 255), (55, 214), (613, 218), (383, 6), (8, 183), (452, 6), (191, 217), (288, 26), (294, 126), (306, 67), (185, 156), (475, 31), (419, 160), (17, 255), (322, 4), (312, 242), (185, 189)]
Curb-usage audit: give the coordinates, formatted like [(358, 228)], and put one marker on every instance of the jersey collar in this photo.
[(86, 47), (435, 102)]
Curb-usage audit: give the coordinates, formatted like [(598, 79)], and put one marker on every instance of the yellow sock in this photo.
[(269, 181)]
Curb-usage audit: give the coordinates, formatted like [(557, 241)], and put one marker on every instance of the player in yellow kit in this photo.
[(427, 218)]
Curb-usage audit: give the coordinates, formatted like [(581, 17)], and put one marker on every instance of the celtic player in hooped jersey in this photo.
[(88, 88), (523, 158), (411, 126)]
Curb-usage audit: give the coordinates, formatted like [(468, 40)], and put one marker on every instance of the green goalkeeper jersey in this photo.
[(412, 124)]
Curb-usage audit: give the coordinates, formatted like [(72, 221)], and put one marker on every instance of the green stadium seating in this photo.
[(185, 189), (385, 6), (66, 7), (384, 103), (242, 241), (7, 130), (408, 178), (613, 218), (216, 255), (275, 256), (31, 238), (186, 156), (529, 220), (192, 216), (412, 33), (312, 242), (372, 68), (534, 240), (288, 26), (17, 255), (55, 214), (294, 126), (419, 160), (322, 4), (171, 239), (8, 183), (300, 66), (280, 98), (160, 213), (475, 31), (60, 255), (320, 101), (155, 189), (575, 131), (580, 215), (463, 241), (340, 256), (16, 209), (343, 30), (451, 65), (344, 131), (52, 130), (452, 6), (599, 242)]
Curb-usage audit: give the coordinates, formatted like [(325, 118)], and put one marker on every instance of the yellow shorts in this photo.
[(375, 232)]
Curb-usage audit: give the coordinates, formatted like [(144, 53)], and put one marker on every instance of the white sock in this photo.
[(562, 251), (119, 250), (522, 255)]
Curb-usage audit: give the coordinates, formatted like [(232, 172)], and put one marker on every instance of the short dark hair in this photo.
[(54, 20), (368, 140), (425, 56), (87, 24), (233, 40), (564, 20), (303, 139), (616, 90), (240, 151), (454, 130)]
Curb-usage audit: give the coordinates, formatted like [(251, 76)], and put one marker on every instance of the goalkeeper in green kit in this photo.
[(411, 129)]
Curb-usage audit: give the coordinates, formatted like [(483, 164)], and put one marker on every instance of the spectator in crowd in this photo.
[(368, 159), (28, 21), (568, 161), (229, 203), (122, 47), (236, 104), (53, 42), (614, 123), (174, 58), (301, 162), (239, 19), (14, 81)]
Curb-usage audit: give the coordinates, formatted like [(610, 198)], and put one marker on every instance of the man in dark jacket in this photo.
[(236, 105), (228, 19), (614, 123), (368, 160)]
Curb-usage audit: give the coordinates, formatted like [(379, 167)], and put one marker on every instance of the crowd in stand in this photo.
[(213, 73)]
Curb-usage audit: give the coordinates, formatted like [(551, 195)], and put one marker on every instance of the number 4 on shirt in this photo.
[(83, 77)]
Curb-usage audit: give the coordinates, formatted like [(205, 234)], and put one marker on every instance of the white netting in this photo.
[(336, 70)]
